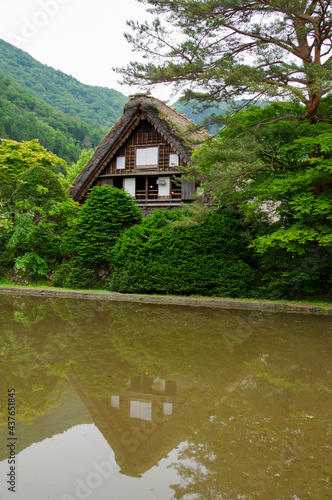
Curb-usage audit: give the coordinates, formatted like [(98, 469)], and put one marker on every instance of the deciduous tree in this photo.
[(34, 207), (279, 174)]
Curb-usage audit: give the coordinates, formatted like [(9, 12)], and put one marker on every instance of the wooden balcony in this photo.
[(152, 194), (176, 194)]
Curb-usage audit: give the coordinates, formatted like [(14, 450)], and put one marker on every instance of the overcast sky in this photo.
[(83, 38)]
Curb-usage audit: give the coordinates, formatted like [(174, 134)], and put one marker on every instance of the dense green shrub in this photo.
[(288, 275), (106, 213), (209, 259), (61, 273), (81, 277), (7, 260)]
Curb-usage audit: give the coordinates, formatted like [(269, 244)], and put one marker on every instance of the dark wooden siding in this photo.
[(144, 135), (187, 190)]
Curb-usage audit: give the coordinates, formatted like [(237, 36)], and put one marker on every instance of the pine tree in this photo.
[(223, 49)]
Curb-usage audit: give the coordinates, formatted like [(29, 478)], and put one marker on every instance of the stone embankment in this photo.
[(260, 305)]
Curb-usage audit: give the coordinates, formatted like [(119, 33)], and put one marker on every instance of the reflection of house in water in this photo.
[(143, 424), (146, 399)]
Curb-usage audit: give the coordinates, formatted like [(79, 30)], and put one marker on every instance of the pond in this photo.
[(113, 400)]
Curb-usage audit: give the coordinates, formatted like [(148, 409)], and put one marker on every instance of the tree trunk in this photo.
[(312, 105)]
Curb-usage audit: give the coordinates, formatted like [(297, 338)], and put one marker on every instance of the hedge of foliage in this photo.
[(207, 259)]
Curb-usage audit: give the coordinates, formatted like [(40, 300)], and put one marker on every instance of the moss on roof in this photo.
[(179, 126)]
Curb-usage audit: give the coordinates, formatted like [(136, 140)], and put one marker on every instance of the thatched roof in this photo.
[(178, 130)]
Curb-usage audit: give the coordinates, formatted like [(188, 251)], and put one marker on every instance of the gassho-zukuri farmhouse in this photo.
[(142, 153)]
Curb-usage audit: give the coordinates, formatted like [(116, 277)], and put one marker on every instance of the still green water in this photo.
[(117, 401)]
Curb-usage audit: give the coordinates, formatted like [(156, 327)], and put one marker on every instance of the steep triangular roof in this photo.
[(178, 130)]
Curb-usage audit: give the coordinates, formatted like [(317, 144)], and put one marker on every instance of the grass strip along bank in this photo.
[(225, 303)]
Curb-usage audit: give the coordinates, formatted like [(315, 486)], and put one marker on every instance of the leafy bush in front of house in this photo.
[(211, 258), (290, 276), (106, 213)]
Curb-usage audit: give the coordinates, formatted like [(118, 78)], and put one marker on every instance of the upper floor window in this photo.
[(121, 163), (173, 160), (147, 157)]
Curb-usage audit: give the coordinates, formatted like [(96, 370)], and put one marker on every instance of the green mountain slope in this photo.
[(97, 106), (199, 118), (23, 117)]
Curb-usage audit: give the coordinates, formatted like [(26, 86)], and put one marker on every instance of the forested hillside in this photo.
[(211, 118), (199, 117), (37, 102), (23, 118), (97, 106)]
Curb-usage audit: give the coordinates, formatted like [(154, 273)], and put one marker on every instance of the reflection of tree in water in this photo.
[(92, 355), (108, 343), (269, 437), (29, 316), (231, 442), (35, 393), (165, 340), (28, 352), (111, 342), (252, 390), (41, 338)]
